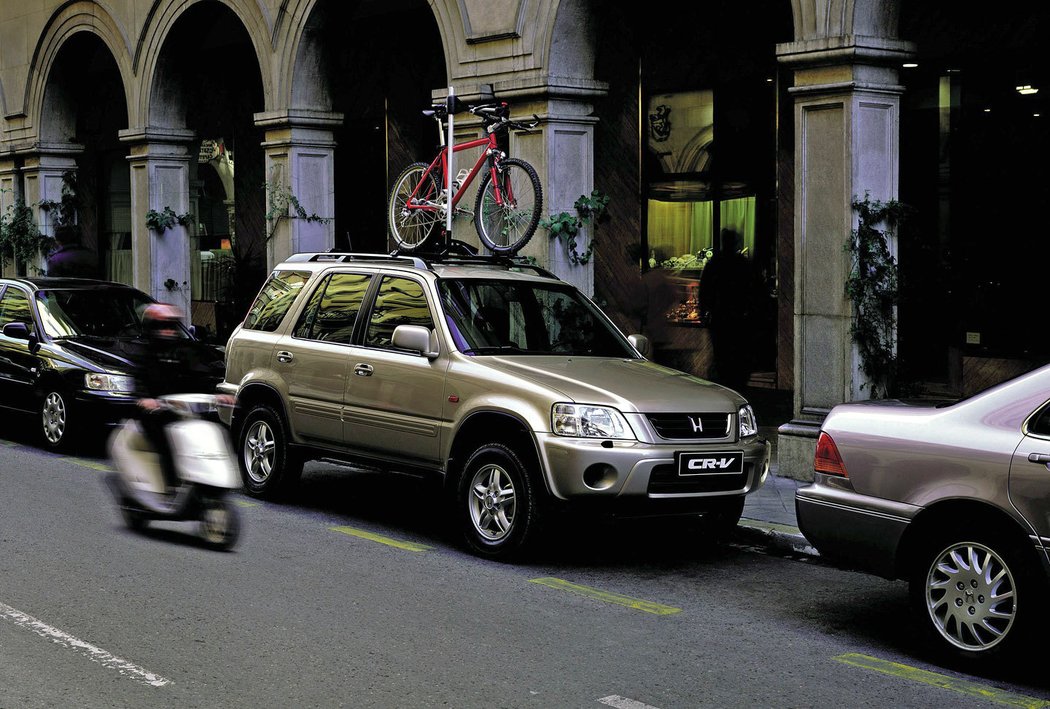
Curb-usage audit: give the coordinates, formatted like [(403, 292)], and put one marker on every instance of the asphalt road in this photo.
[(356, 594)]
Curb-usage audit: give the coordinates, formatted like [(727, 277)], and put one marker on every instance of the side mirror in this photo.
[(640, 343), (416, 338), (17, 331)]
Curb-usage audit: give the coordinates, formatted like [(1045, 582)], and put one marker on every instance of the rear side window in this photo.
[(333, 308), (14, 307), (274, 300), (400, 301), (1040, 423)]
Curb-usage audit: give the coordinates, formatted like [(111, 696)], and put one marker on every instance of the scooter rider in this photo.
[(167, 369)]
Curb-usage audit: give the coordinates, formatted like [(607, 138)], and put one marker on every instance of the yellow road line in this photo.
[(960, 686), (636, 603), (776, 527), (245, 503), (91, 464), (371, 536)]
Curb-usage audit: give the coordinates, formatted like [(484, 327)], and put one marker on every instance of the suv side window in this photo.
[(274, 300), (14, 307), (333, 308), (400, 301)]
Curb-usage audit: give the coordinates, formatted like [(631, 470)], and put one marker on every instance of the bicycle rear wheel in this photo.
[(411, 227), (508, 208)]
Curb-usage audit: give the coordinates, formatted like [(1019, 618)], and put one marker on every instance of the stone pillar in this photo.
[(42, 182), (160, 178), (10, 193), (561, 148), (847, 101), (300, 161)]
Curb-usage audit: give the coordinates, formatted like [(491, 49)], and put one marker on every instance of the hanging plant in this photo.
[(20, 238), (165, 219), (567, 227), (283, 204), (872, 287)]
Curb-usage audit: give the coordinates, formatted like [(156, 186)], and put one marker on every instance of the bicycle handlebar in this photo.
[(489, 113)]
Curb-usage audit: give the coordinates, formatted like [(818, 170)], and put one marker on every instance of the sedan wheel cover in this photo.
[(492, 503), (53, 414), (259, 452), (971, 596)]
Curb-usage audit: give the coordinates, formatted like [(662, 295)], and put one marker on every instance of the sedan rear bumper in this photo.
[(854, 529)]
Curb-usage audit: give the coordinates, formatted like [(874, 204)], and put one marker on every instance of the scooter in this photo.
[(204, 463)]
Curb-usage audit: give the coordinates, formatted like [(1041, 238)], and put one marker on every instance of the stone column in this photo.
[(10, 192), (847, 101), (160, 178), (42, 182), (300, 161)]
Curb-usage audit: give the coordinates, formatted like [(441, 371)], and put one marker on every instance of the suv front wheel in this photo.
[(268, 468), (497, 502)]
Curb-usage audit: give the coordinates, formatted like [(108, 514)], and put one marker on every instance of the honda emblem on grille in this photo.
[(698, 426)]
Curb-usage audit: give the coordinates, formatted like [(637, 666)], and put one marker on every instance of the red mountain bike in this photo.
[(507, 209)]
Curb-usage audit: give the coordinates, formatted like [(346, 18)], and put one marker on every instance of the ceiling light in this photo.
[(1026, 90)]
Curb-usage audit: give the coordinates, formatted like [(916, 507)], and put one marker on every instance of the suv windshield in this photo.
[(523, 317), (110, 312)]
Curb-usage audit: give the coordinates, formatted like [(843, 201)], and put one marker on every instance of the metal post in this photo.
[(451, 160)]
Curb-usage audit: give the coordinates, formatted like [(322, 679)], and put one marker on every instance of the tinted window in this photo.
[(400, 301), (332, 311), (1040, 423), (111, 312), (14, 307), (274, 300)]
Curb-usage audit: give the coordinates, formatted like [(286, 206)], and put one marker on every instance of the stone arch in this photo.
[(155, 86), (44, 104), (821, 19), (300, 82)]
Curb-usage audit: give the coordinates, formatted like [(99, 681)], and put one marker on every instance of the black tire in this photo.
[(133, 518), (497, 503), (268, 468), (960, 577), (56, 419), (411, 228), (220, 523), (506, 227), (722, 521)]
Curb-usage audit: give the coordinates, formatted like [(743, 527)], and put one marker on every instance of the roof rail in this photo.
[(490, 260), (344, 257)]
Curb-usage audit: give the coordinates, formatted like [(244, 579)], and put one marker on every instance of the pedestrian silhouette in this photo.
[(727, 291)]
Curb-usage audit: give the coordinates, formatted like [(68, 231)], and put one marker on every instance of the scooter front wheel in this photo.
[(133, 518), (220, 524)]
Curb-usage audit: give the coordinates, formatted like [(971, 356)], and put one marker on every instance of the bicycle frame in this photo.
[(492, 154)]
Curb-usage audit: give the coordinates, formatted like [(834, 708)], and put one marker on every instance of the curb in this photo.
[(781, 537)]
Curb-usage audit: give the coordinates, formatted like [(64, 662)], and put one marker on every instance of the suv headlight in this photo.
[(108, 382), (748, 423), (582, 421)]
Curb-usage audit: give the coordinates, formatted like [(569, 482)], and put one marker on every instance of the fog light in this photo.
[(599, 476)]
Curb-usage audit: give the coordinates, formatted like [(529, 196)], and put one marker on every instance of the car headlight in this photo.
[(108, 382), (748, 423), (582, 421)]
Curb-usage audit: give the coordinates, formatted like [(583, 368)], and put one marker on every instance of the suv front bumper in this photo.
[(632, 472)]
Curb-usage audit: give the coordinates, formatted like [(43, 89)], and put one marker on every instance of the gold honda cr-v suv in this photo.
[(503, 380)]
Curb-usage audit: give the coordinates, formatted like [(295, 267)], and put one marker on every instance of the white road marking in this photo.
[(96, 654), (615, 700)]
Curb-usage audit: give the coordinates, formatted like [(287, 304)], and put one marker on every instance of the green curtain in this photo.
[(678, 228), (739, 214)]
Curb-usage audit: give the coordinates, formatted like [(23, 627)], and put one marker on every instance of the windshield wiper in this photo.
[(495, 350)]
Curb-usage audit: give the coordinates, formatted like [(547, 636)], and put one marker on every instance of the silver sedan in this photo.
[(953, 498)]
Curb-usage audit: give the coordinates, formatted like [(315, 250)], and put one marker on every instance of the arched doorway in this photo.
[(345, 65), (83, 109), (208, 81)]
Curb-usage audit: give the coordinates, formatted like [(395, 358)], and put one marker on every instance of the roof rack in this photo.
[(489, 260), (344, 257)]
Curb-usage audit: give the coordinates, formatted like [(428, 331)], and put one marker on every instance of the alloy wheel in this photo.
[(971, 596), (259, 452), (492, 502)]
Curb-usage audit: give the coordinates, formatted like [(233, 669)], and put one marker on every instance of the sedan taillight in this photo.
[(827, 459)]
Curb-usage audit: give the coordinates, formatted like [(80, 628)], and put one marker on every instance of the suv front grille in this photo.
[(691, 426)]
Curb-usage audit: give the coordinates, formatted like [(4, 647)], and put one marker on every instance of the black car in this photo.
[(71, 350)]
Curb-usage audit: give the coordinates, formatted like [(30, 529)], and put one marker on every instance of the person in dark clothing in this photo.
[(727, 293), (168, 367), (71, 258)]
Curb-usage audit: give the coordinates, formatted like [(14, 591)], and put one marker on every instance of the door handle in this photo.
[(285, 357), (1039, 458), (363, 370)]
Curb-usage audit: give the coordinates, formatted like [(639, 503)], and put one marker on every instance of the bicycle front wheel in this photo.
[(508, 207), (414, 218)]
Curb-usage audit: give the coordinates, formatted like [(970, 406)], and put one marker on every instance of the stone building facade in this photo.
[(151, 104)]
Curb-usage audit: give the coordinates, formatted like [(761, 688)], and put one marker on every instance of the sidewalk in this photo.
[(769, 512)]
